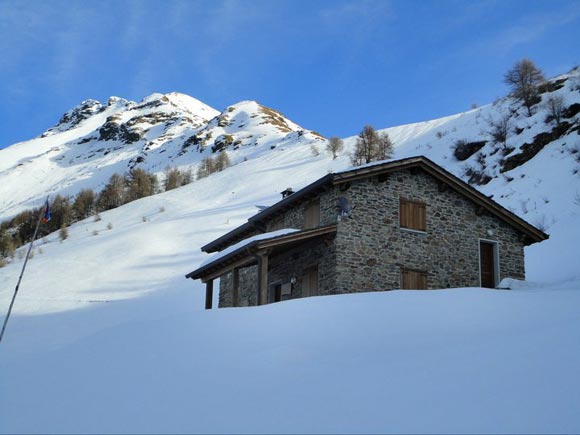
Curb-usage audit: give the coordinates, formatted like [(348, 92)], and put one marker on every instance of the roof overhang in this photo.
[(247, 255)]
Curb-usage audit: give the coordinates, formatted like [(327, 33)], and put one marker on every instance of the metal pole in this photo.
[(22, 272)]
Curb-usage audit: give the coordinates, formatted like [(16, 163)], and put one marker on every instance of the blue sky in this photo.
[(331, 66)]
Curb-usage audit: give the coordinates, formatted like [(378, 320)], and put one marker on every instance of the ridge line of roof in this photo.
[(334, 177)]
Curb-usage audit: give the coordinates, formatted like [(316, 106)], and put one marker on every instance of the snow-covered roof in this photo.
[(265, 236), (243, 251)]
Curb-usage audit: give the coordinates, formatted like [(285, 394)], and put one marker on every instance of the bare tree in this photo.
[(113, 195), (371, 146), (222, 161), (140, 184), (84, 204), (172, 178), (500, 130), (523, 80), (334, 146), (206, 167), (364, 147), (384, 147), (555, 106)]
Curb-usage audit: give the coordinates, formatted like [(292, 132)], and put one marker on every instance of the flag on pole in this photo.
[(46, 216)]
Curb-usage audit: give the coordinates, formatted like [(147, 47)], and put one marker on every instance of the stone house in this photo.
[(404, 224)]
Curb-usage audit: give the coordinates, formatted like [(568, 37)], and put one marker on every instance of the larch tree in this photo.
[(523, 79), (334, 146), (555, 106), (371, 146)]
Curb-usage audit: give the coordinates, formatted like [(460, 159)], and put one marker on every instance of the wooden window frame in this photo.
[(409, 224), (417, 271)]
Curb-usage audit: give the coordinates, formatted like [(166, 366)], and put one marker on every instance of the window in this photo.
[(312, 215), (413, 280), (412, 215)]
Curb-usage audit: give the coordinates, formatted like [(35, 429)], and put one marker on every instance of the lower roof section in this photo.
[(245, 253)]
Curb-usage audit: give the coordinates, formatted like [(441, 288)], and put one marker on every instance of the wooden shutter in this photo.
[(413, 280), (412, 215), (310, 282), (312, 215)]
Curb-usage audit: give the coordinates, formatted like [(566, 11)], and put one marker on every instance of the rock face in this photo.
[(464, 150), (370, 249), (75, 116)]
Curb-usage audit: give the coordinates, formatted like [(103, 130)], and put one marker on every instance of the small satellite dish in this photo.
[(344, 205)]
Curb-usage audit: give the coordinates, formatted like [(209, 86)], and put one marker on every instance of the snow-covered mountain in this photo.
[(108, 336), (92, 141)]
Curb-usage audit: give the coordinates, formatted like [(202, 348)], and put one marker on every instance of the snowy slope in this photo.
[(451, 361), (108, 335)]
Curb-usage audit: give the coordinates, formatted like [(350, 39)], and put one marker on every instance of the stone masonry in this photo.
[(372, 248)]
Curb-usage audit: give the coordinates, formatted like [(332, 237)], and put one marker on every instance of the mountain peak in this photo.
[(180, 101), (75, 116)]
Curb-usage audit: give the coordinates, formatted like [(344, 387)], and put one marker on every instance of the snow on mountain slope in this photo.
[(108, 336), (92, 141)]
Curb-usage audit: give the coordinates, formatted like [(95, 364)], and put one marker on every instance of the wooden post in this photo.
[(208, 294), (263, 277), (236, 286)]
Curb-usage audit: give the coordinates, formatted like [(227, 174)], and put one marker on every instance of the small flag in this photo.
[(46, 216)]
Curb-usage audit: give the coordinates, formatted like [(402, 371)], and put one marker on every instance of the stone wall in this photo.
[(294, 218), (247, 290), (371, 248), (281, 268)]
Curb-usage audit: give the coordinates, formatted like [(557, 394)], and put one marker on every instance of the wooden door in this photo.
[(487, 264), (275, 292)]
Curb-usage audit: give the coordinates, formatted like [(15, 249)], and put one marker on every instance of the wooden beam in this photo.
[(235, 286), (298, 236), (382, 177), (344, 186), (263, 279), (208, 294), (244, 261)]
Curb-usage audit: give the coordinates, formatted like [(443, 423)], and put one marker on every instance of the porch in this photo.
[(283, 266)]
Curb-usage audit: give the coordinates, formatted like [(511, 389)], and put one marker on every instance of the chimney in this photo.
[(286, 193)]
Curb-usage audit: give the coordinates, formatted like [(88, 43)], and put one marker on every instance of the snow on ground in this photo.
[(449, 361), (107, 335)]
